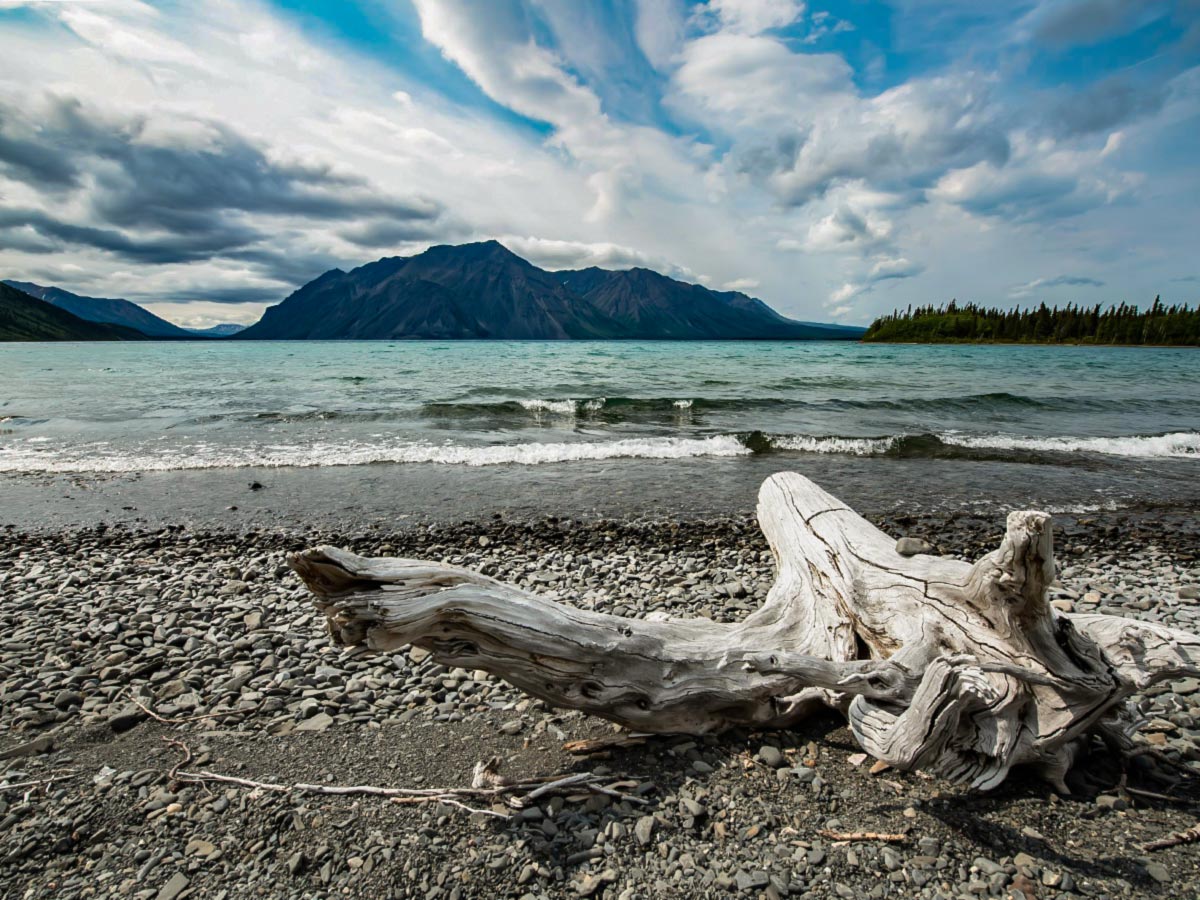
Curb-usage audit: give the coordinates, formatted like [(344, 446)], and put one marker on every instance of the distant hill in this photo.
[(225, 329), (24, 317), (967, 323), (484, 290), (100, 309), (655, 306)]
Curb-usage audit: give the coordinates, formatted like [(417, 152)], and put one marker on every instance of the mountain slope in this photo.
[(101, 309), (27, 318), (656, 306), (484, 290), (469, 291)]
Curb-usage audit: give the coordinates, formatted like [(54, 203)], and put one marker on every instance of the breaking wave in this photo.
[(38, 454), (96, 459)]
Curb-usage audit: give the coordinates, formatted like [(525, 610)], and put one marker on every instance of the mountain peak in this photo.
[(489, 249), (484, 290)]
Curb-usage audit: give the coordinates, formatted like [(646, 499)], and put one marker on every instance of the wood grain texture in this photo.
[(958, 669)]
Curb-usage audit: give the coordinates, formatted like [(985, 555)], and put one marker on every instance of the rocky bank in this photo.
[(212, 632)]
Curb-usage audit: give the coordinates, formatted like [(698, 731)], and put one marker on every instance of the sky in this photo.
[(837, 159)]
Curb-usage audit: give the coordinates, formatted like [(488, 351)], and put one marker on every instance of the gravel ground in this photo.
[(210, 624)]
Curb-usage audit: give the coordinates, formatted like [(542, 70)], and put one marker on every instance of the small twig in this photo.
[(609, 792), (187, 758), (568, 781), (1187, 836), (1151, 795), (890, 838), (450, 801), (38, 782), (536, 787), (609, 742), (180, 721)]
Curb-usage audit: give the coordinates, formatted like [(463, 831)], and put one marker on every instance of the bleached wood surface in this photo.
[(958, 669)]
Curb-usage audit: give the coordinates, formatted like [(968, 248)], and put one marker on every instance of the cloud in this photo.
[(1065, 23), (800, 126), (555, 254), (658, 29), (230, 150), (849, 229), (1106, 104), (824, 24), (741, 284), (1029, 287), (198, 313), (754, 16), (894, 268), (1041, 183), (162, 190)]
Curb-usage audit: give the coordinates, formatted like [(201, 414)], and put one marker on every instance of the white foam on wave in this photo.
[(556, 407), (563, 407), (683, 404), (846, 445), (203, 456), (1177, 445)]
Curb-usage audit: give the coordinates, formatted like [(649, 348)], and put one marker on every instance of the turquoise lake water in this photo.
[(125, 407)]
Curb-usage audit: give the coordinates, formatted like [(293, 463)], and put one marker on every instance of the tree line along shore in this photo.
[(1125, 324)]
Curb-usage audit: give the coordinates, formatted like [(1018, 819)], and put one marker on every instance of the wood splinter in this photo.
[(846, 837), (963, 671)]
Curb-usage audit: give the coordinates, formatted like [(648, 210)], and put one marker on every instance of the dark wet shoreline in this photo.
[(391, 496)]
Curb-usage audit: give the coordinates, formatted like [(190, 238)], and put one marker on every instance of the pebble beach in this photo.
[(131, 658)]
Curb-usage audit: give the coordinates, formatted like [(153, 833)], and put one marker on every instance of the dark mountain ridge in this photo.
[(485, 291), (24, 317), (103, 309), (656, 305)]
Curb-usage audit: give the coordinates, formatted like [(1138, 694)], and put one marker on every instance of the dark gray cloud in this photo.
[(1027, 195), (183, 191), (1064, 23), (219, 238), (387, 232), (1072, 280), (27, 160), (287, 268), (228, 295), (17, 237), (1105, 105)]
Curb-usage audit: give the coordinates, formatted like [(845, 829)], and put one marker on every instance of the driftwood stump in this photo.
[(960, 670)]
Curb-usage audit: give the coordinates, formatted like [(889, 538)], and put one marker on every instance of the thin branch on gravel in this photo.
[(1187, 836), (887, 837), (528, 791), (187, 757), (180, 721), (37, 782), (1153, 795)]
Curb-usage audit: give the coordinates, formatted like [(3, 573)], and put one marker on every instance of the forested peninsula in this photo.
[(968, 323)]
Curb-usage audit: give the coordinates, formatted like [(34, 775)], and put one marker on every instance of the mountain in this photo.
[(100, 309), (484, 290), (655, 306), (24, 317), (225, 329), (469, 291)]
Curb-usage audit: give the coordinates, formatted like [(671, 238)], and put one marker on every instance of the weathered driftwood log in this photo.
[(958, 669)]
